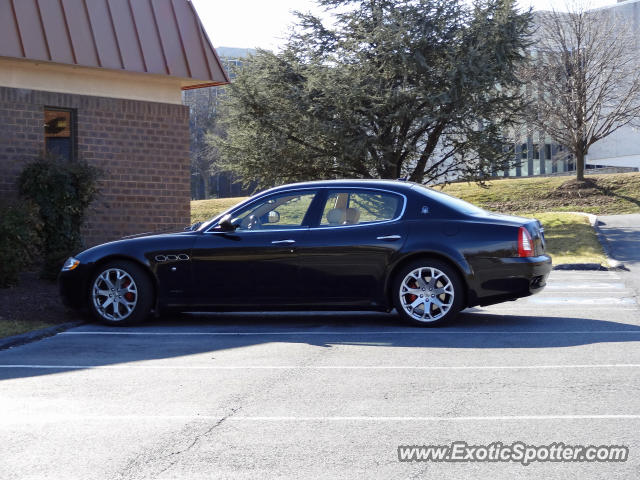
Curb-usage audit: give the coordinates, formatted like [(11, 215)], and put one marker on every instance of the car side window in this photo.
[(276, 212), (355, 207)]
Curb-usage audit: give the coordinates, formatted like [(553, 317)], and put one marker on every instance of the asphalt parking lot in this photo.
[(330, 395)]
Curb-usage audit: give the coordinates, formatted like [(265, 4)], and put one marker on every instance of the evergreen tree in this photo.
[(423, 89)]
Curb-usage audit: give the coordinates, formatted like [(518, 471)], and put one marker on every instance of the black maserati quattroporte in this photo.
[(328, 245)]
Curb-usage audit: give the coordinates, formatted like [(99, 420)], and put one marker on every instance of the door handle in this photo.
[(389, 238), (279, 242)]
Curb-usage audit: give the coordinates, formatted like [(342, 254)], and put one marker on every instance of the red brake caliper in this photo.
[(129, 295), (411, 296)]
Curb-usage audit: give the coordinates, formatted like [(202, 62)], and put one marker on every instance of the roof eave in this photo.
[(215, 53), (205, 85)]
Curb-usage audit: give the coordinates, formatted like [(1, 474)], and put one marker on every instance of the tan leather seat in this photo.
[(352, 216), (337, 216)]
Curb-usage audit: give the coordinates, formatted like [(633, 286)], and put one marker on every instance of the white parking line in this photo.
[(583, 273), (593, 276), (565, 306), (581, 300), (436, 419), (592, 294), (318, 367), (363, 332), (562, 309), (584, 286), (35, 418)]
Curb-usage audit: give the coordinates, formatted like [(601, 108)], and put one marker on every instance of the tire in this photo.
[(120, 293), (420, 306)]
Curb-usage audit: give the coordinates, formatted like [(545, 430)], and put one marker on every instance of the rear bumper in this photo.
[(509, 279)]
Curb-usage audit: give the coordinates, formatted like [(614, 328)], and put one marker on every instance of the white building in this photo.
[(621, 148), (540, 155)]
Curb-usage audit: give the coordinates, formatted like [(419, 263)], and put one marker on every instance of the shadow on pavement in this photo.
[(183, 335), (623, 243)]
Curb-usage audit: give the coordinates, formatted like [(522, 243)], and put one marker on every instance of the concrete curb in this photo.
[(613, 264), (34, 335), (580, 266)]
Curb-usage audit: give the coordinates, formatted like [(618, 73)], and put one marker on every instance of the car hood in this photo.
[(135, 244), (167, 231)]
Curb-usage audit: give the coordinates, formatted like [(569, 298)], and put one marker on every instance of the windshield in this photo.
[(449, 201), (206, 224)]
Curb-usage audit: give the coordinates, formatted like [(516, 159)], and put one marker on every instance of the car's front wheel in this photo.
[(121, 293), (428, 292)]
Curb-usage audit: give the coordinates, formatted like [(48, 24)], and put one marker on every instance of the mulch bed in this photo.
[(34, 300)]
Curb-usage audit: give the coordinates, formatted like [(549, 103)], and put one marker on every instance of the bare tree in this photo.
[(585, 74), (202, 120)]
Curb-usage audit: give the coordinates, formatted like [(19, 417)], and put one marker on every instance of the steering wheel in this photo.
[(254, 223)]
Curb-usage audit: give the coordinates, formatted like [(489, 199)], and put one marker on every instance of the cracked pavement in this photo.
[(329, 395)]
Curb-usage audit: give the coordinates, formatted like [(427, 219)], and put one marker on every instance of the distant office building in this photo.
[(203, 104), (539, 155)]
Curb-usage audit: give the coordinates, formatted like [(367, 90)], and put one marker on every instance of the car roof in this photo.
[(397, 185)]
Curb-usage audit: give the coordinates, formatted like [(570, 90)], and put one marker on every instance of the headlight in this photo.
[(70, 264)]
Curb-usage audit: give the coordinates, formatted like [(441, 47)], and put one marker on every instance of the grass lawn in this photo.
[(32, 304), (202, 210), (610, 194), (9, 328), (570, 238)]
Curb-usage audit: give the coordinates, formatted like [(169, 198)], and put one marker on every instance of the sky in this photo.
[(265, 23)]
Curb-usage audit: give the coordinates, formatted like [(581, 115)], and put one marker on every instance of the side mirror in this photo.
[(193, 228), (226, 224), (273, 217)]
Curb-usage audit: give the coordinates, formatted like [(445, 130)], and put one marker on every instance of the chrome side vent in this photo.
[(172, 258)]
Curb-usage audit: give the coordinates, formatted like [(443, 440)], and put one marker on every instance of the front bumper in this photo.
[(73, 286)]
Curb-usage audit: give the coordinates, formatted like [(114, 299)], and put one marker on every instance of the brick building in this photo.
[(101, 81)]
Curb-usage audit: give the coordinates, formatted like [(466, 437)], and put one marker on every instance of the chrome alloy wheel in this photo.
[(426, 294), (114, 294)]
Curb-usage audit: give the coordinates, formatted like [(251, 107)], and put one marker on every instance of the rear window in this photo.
[(355, 207), (452, 202)]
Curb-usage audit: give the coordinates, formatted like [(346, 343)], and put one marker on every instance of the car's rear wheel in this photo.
[(428, 292), (120, 293)]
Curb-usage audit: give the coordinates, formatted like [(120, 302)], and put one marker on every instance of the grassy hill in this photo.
[(603, 194), (202, 210)]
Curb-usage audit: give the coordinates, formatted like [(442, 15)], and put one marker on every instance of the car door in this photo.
[(255, 265), (345, 256)]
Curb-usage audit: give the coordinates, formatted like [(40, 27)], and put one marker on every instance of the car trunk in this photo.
[(533, 226)]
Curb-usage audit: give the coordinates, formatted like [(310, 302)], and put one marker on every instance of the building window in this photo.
[(524, 163), (59, 133), (548, 159)]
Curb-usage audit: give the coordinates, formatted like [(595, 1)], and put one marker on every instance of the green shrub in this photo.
[(20, 228), (63, 190)]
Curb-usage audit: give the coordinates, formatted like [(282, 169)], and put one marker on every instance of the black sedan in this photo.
[(328, 245)]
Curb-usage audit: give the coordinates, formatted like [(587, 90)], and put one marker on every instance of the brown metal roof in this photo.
[(150, 36)]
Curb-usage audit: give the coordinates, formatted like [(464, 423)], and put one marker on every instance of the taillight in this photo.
[(525, 243)]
